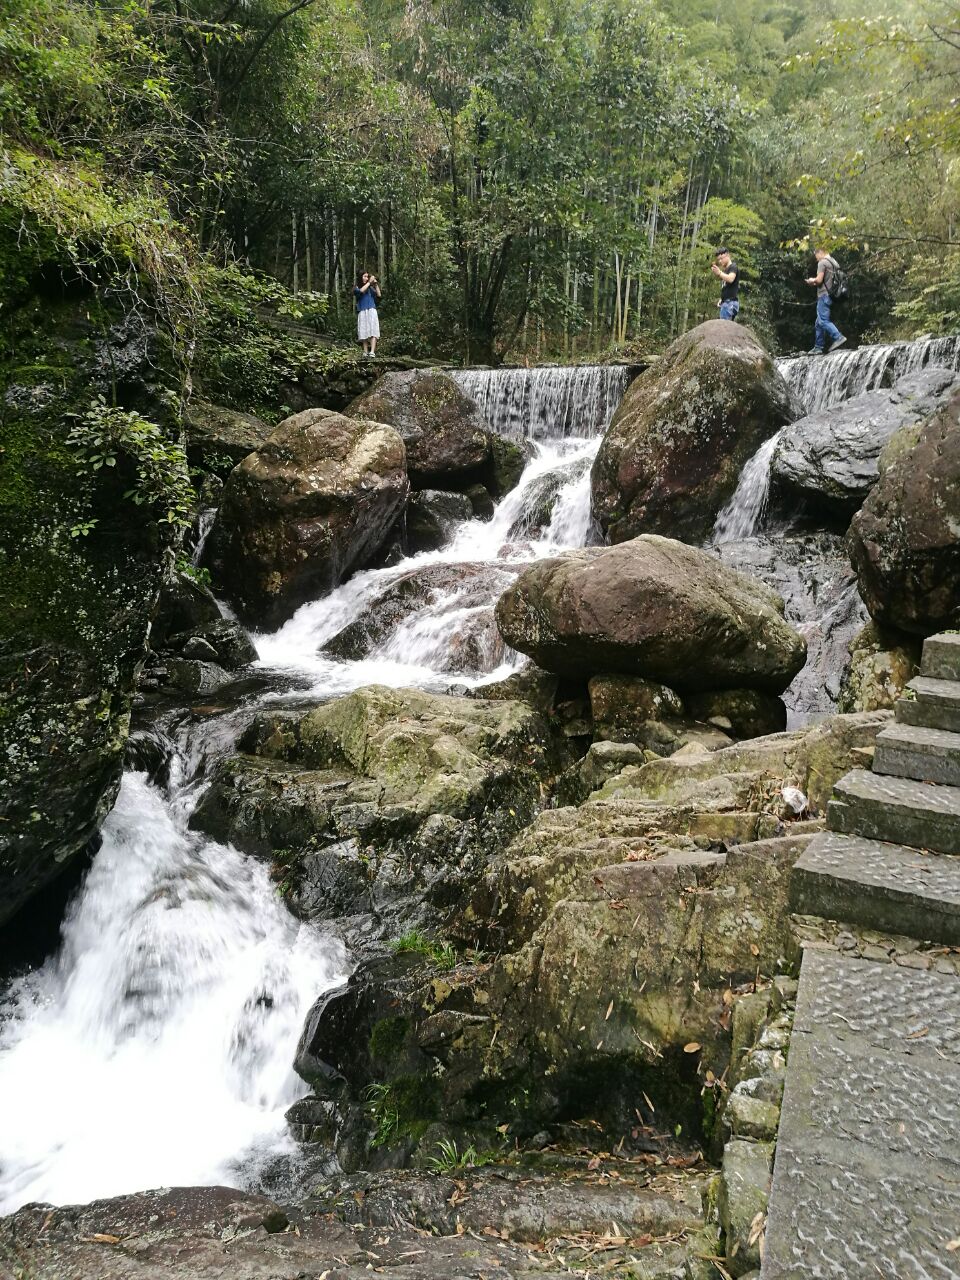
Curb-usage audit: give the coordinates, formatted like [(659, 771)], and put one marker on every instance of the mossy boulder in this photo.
[(880, 668), (316, 502), (654, 608), (80, 566), (218, 438), (904, 542), (448, 443), (683, 431), (396, 793), (432, 518)]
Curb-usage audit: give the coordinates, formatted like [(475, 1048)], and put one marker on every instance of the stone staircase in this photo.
[(867, 1174)]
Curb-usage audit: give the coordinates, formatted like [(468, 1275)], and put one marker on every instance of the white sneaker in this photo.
[(839, 343)]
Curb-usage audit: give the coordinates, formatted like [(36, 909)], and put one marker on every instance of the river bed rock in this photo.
[(880, 668), (655, 608), (316, 502), (904, 542), (218, 438), (508, 1220), (830, 459), (678, 442)]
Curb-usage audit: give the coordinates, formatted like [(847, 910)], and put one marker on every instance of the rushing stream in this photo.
[(155, 1046)]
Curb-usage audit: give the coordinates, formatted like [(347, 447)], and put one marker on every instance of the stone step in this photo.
[(910, 751), (934, 704), (941, 656), (866, 1176), (898, 810), (887, 887)]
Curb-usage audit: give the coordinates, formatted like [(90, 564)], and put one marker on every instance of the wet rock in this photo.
[(685, 428), (383, 799), (830, 459), (316, 502), (481, 501), (531, 684), (880, 668), (507, 462), (432, 518), (184, 605), (654, 608), (196, 676), (813, 575), (447, 443), (748, 713), (218, 438), (904, 542)]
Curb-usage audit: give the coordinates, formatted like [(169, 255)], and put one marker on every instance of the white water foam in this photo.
[(156, 1048), (821, 381)]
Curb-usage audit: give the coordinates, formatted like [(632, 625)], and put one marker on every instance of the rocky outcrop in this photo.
[(448, 445), (384, 802), (81, 565), (316, 502), (218, 438), (193, 647), (904, 543), (880, 668), (513, 1219), (685, 428), (624, 929), (654, 608), (830, 459)]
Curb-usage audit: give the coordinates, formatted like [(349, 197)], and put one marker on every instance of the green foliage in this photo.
[(384, 1114), (414, 942), (105, 436), (450, 1160), (198, 574)]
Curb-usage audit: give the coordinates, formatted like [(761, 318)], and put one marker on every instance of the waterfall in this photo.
[(821, 381), (744, 513), (156, 1048), (546, 403)]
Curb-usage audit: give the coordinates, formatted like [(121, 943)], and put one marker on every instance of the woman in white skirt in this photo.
[(366, 292)]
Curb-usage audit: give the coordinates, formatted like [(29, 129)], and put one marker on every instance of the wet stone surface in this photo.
[(866, 1180)]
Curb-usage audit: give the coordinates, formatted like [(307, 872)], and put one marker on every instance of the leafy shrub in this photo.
[(105, 435)]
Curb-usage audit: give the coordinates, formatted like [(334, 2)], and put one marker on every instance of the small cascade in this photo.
[(821, 381), (546, 403), (174, 1006), (744, 513)]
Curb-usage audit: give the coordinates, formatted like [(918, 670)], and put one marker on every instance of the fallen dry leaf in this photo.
[(693, 1047)]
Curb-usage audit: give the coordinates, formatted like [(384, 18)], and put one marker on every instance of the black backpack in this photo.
[(839, 285)]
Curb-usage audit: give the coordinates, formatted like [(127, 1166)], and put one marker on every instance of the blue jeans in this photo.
[(825, 329), (729, 310)]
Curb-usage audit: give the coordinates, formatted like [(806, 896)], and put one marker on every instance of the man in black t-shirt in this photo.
[(727, 271)]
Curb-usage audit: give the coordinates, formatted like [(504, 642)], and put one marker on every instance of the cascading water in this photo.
[(156, 1048), (182, 982), (744, 513), (820, 381), (546, 403)]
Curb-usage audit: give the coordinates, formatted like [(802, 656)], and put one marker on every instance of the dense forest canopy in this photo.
[(530, 179)]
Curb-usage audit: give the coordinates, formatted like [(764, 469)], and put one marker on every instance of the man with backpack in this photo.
[(830, 284)]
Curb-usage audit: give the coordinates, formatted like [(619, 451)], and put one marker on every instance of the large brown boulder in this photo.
[(316, 502), (655, 608), (685, 428), (448, 444), (904, 543)]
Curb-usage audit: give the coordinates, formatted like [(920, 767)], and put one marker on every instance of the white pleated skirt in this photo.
[(368, 324)]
